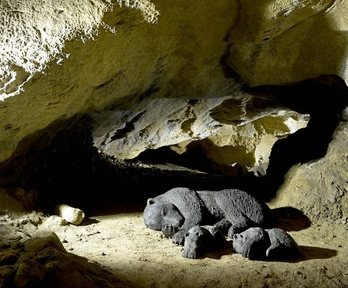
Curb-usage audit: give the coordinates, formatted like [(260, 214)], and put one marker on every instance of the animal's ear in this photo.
[(150, 201)]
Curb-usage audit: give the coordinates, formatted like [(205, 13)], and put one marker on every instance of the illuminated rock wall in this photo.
[(175, 78)]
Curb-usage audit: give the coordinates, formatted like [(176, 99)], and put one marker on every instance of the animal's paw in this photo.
[(169, 230), (193, 243), (179, 237)]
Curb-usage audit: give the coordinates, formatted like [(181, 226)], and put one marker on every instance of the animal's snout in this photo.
[(170, 221)]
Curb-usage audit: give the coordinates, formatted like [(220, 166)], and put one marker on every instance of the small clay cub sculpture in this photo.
[(202, 239), (178, 210), (265, 244)]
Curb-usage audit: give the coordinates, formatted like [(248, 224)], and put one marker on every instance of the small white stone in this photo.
[(70, 214)]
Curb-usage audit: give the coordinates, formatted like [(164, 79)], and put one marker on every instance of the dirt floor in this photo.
[(113, 248), (120, 242), (115, 237)]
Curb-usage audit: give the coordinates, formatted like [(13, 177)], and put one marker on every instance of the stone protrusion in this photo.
[(70, 214)]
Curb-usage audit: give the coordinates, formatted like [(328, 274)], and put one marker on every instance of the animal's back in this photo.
[(235, 201)]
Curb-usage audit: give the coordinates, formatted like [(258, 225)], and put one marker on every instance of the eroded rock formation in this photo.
[(31, 255), (169, 79), (187, 77), (277, 42)]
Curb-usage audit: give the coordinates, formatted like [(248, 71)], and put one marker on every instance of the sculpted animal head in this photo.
[(162, 216), (251, 243), (195, 241)]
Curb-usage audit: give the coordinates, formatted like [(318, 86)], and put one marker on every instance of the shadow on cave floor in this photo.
[(291, 219), (311, 253), (307, 253)]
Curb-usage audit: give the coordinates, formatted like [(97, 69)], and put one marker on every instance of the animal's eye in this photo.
[(164, 212)]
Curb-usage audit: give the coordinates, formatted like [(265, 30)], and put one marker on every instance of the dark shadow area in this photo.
[(88, 221), (306, 253), (217, 254), (311, 253), (291, 219), (194, 158), (63, 165), (324, 98)]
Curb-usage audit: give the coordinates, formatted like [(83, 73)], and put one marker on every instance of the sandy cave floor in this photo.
[(119, 241)]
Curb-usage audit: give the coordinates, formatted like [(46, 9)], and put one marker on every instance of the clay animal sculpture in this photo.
[(202, 239), (178, 210), (265, 244)]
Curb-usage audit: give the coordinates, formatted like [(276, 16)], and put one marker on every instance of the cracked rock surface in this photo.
[(31, 255)]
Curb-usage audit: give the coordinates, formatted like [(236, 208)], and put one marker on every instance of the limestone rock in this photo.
[(8, 257), (70, 214), (279, 42), (42, 260), (319, 188), (31, 45), (250, 145), (98, 58), (173, 83), (43, 239), (231, 130), (53, 223), (91, 74), (29, 274)]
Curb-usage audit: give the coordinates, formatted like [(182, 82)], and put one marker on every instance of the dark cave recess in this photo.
[(62, 164)]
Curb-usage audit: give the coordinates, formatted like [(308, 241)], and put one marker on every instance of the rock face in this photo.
[(70, 214), (277, 42), (93, 57), (33, 256), (178, 56), (229, 130), (320, 188), (33, 34)]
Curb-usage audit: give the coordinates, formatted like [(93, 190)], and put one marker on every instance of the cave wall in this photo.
[(159, 74), (277, 42), (66, 58), (180, 54), (320, 187)]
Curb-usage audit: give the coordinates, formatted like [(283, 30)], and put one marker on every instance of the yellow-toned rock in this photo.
[(70, 214), (319, 189), (283, 41), (178, 56)]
